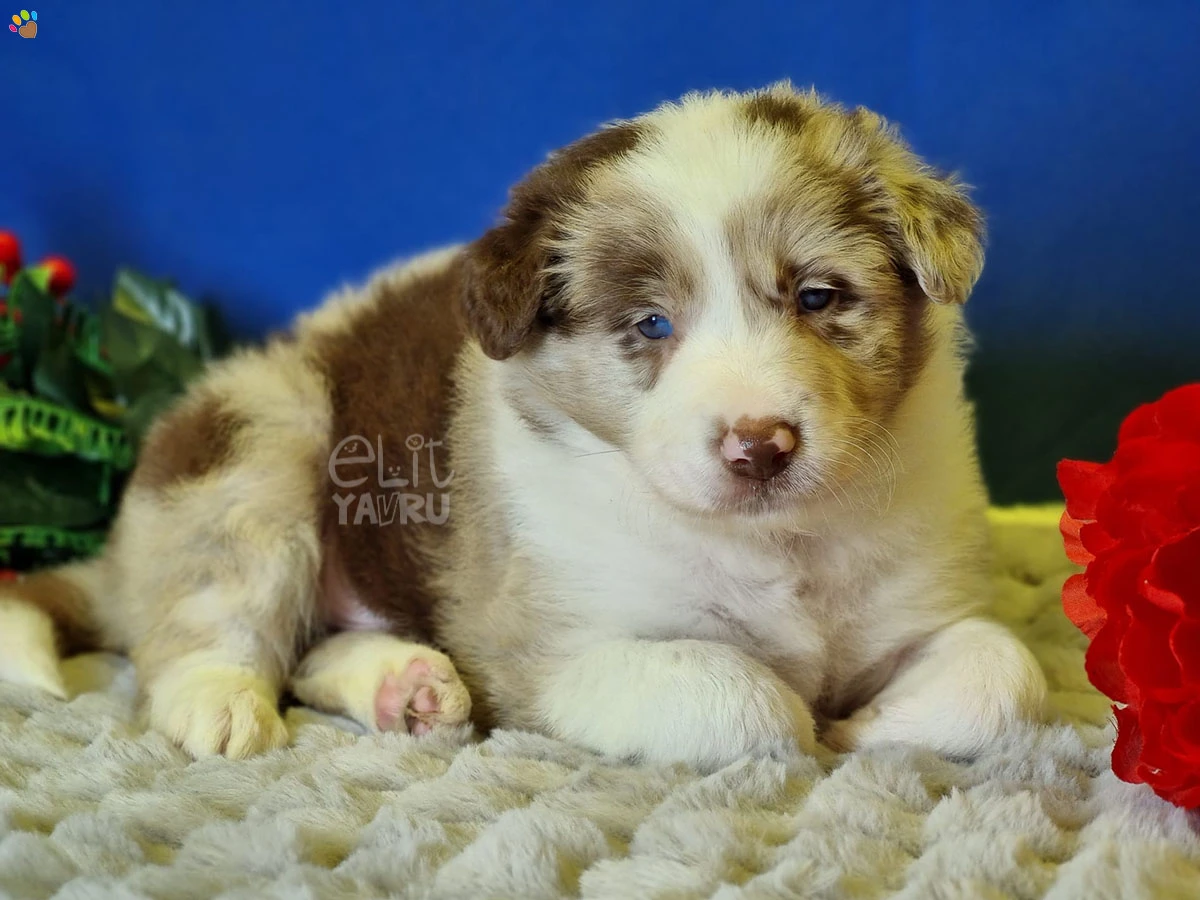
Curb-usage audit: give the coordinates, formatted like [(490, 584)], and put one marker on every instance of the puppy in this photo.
[(673, 463)]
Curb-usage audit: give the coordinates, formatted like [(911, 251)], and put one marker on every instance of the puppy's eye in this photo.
[(655, 327), (816, 299)]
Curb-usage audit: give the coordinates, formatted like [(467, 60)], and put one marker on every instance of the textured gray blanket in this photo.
[(92, 806)]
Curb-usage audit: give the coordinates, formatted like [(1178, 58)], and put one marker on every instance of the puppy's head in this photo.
[(734, 291)]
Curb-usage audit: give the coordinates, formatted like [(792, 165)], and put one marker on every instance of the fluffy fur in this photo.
[(594, 568)]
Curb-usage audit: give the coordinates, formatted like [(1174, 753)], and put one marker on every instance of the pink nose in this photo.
[(758, 448)]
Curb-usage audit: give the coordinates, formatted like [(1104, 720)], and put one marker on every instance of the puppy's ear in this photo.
[(508, 280), (941, 236), (505, 284)]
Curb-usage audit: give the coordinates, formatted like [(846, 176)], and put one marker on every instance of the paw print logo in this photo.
[(25, 24)]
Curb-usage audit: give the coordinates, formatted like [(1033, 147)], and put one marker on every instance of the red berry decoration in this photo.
[(62, 275), (10, 256)]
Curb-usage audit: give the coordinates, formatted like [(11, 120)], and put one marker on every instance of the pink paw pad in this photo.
[(413, 699)]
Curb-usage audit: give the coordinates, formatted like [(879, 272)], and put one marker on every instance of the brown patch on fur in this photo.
[(507, 286), (778, 111), (926, 218), (190, 440), (389, 374), (916, 339), (621, 278), (883, 226), (939, 237), (625, 266), (625, 281)]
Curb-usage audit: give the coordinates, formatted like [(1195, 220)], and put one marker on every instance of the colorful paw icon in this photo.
[(25, 24)]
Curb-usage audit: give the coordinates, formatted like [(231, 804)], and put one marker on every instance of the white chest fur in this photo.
[(820, 605), (621, 563)]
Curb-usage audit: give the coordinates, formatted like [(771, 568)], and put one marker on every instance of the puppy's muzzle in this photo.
[(758, 448)]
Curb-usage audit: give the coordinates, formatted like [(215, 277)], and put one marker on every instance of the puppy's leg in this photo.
[(382, 682), (702, 703), (213, 663), (218, 552), (971, 682)]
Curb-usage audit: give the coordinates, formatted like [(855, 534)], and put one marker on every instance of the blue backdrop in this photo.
[(264, 152)]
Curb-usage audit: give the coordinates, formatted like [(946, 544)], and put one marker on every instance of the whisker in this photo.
[(596, 453)]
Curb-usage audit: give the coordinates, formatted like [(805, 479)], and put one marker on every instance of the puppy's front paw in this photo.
[(212, 710), (969, 685), (696, 702)]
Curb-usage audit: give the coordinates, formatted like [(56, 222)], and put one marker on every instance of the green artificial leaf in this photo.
[(143, 358), (34, 311), (58, 373), (62, 466), (66, 493), (32, 425), (159, 305), (25, 547), (12, 372)]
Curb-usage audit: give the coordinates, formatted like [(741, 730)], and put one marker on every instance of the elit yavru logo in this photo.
[(25, 24)]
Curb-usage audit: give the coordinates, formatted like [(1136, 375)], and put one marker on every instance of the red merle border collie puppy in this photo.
[(673, 463)]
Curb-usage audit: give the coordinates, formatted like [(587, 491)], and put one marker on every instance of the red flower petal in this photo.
[(1177, 414), (1080, 607), (1082, 484), (1095, 539), (1183, 733), (1146, 658), (1076, 552), (1185, 644), (1127, 751), (1148, 497), (1140, 423), (1189, 504), (1100, 662), (1185, 798), (1156, 765), (1175, 574), (1115, 579)]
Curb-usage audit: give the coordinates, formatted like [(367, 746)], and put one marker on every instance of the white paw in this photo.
[(971, 684), (383, 682), (212, 710), (695, 702)]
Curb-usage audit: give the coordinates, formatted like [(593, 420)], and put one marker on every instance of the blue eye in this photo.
[(814, 299), (655, 327)]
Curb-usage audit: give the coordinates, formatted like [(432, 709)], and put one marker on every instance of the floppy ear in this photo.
[(941, 236), (508, 282), (505, 283)]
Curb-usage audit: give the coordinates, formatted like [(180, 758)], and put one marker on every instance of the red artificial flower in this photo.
[(1134, 522)]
